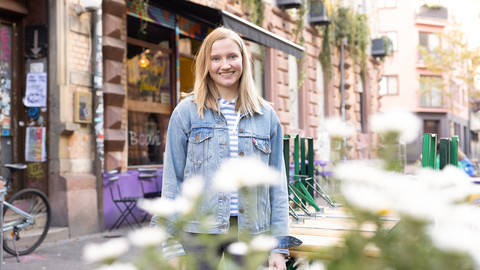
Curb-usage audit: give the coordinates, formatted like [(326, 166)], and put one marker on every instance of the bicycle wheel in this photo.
[(28, 238)]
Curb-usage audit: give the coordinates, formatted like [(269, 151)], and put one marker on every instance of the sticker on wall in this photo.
[(6, 122), (5, 132), (33, 113)]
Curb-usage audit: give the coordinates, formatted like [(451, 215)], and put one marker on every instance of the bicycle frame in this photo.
[(16, 223)]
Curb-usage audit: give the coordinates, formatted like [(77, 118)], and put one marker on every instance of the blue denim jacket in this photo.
[(198, 146)]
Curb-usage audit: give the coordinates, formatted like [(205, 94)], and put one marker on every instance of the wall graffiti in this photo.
[(35, 171), (5, 37)]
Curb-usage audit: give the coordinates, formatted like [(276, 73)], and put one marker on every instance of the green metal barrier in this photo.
[(302, 185), (448, 151)]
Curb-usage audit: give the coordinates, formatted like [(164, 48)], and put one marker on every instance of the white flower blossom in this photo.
[(317, 265), (424, 196), (165, 207), (118, 266), (160, 206), (263, 243), (111, 249), (335, 127), (192, 188), (238, 248), (148, 236), (245, 172), (398, 120)]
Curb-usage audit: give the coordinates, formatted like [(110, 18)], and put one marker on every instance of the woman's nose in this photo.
[(226, 64)]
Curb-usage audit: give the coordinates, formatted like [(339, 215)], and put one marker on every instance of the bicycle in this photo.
[(26, 217)]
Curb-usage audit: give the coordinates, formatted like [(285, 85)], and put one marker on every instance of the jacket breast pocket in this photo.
[(200, 145), (262, 147)]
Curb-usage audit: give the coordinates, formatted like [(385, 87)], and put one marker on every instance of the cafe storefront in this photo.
[(162, 40)]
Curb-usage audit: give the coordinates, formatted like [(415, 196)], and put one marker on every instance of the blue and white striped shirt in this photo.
[(227, 108)]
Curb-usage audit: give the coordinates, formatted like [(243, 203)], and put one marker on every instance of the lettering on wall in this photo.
[(142, 139)]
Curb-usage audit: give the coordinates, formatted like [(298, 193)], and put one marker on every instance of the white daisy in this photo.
[(263, 243), (397, 120), (111, 249), (335, 127), (245, 172), (148, 236), (238, 248)]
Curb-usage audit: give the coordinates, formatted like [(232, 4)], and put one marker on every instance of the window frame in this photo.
[(428, 103), (388, 92), (386, 3)]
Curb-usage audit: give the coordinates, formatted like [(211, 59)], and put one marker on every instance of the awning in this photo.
[(246, 29), (258, 34)]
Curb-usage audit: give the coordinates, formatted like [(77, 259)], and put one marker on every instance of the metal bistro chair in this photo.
[(124, 204), (149, 175)]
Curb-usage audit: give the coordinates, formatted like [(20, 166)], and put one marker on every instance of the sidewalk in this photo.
[(61, 254)]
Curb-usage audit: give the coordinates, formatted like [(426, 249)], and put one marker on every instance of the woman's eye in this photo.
[(215, 58), (233, 56)]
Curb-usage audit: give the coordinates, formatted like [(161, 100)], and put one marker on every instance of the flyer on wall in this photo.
[(35, 144)]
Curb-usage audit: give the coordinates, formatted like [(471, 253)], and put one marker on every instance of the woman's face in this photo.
[(226, 66)]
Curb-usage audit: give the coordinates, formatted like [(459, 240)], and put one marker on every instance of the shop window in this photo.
[(187, 48), (150, 93)]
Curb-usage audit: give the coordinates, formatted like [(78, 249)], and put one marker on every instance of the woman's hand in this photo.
[(175, 263), (277, 261)]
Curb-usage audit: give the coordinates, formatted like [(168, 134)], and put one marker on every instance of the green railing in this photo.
[(302, 185), (447, 151)]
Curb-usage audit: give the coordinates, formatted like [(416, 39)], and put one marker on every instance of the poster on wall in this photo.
[(36, 90), (35, 144)]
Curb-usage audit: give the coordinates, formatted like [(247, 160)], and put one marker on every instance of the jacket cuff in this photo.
[(286, 242), (281, 251), (172, 249)]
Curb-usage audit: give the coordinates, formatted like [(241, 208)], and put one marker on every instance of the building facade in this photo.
[(407, 82), (111, 75)]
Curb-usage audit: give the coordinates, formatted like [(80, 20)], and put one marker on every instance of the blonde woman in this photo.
[(225, 117)]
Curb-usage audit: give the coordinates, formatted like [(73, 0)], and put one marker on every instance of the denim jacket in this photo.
[(198, 146)]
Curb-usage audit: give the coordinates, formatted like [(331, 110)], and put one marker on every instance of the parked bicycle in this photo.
[(26, 217)]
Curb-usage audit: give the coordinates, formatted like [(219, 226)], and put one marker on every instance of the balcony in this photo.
[(432, 15), (318, 13), (288, 4)]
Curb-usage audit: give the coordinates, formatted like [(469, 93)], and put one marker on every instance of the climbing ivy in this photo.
[(256, 8), (345, 26)]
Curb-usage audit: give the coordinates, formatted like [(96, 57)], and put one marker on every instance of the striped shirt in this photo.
[(227, 108)]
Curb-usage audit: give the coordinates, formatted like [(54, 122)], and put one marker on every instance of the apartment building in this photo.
[(408, 83)]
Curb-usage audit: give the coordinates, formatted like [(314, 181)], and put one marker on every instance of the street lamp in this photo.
[(86, 5)]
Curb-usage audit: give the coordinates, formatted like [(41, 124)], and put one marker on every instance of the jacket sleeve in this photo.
[(279, 193)]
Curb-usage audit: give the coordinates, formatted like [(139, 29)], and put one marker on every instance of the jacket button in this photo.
[(241, 130), (240, 154), (241, 211)]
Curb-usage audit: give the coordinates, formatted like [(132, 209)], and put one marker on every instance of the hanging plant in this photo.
[(349, 27), (256, 8)]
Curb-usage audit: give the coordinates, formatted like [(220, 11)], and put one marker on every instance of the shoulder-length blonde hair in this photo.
[(206, 93)]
